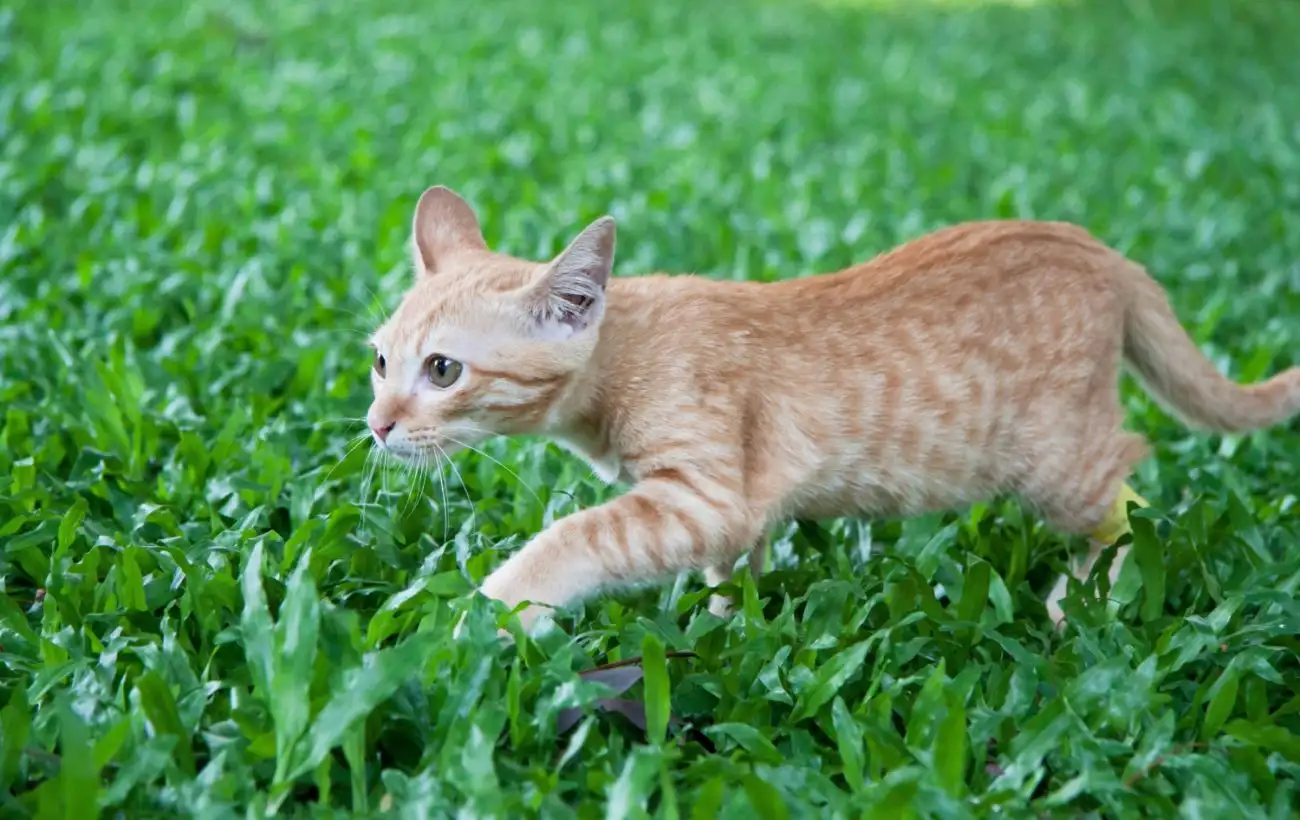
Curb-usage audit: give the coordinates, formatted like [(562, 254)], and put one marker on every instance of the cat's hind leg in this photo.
[(1092, 500), (1112, 528)]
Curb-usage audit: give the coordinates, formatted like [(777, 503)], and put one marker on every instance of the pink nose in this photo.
[(381, 433)]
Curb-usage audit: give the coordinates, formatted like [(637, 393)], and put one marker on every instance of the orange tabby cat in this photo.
[(979, 360)]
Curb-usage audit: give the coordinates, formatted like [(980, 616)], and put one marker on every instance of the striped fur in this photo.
[(976, 361)]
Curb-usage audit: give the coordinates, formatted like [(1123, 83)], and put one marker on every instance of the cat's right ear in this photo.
[(443, 224)]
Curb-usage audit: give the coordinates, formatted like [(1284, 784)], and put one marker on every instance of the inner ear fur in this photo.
[(571, 291)]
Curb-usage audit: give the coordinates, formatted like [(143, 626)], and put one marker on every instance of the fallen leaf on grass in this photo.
[(619, 676)]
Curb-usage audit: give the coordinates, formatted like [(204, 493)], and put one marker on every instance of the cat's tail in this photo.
[(1187, 384)]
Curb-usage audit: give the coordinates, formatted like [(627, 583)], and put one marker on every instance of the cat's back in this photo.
[(965, 257), (972, 250), (957, 269)]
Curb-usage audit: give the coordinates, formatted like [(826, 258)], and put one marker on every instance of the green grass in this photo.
[(208, 612)]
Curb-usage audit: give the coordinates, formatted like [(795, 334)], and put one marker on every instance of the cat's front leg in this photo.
[(668, 523), (721, 605)]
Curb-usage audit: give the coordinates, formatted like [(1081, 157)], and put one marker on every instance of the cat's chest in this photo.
[(604, 460)]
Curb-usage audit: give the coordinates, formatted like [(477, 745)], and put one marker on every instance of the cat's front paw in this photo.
[(501, 590), (721, 606), (502, 633)]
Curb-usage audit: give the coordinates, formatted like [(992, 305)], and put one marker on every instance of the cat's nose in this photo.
[(381, 432)]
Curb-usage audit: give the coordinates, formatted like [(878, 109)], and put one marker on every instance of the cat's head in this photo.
[(483, 343)]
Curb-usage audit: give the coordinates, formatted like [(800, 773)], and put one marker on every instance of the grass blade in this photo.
[(296, 633), (658, 707), (255, 625), (829, 678), (160, 707), (1150, 556), (362, 689)]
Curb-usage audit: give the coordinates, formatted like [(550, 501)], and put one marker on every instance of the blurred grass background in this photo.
[(204, 206)]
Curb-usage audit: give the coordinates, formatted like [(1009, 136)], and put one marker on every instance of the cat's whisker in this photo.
[(497, 462), (442, 481), (372, 463), (476, 428), (365, 479), (354, 315), (419, 471), (416, 489), (352, 448), (364, 335), (317, 424), (341, 420), (358, 437), (383, 475), (376, 301), (473, 514), (404, 476)]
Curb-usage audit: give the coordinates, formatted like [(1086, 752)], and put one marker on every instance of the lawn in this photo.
[(215, 603)]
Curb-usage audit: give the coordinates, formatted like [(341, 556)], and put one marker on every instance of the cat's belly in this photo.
[(886, 497)]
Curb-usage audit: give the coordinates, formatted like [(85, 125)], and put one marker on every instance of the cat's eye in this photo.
[(443, 372), (380, 365)]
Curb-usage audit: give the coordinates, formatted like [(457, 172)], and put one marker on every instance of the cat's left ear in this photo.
[(570, 295), (443, 224)]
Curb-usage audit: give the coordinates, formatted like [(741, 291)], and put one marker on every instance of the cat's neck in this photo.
[(581, 421)]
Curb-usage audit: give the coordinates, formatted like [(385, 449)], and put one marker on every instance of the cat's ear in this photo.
[(570, 295), (443, 224)]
